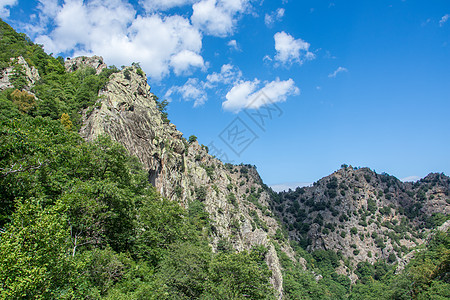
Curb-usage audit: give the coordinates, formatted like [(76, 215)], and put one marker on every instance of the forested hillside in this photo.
[(119, 213)]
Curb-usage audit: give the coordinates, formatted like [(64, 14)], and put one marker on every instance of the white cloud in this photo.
[(244, 94), (48, 8), (112, 29), (337, 71), (444, 19), (290, 50), (5, 6), (196, 90), (411, 178), (228, 74), (155, 5), (239, 96), (275, 16), (267, 58), (192, 90), (233, 45), (289, 185), (217, 17), (184, 60)]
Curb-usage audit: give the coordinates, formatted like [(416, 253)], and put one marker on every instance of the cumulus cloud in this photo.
[(5, 6), (192, 90), (240, 93), (291, 50), (158, 5), (182, 61), (160, 44), (228, 75), (337, 71), (217, 17), (245, 94), (197, 90), (275, 16), (444, 19)]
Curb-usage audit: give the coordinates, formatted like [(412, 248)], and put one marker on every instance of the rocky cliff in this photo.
[(94, 62), (19, 68), (234, 196)]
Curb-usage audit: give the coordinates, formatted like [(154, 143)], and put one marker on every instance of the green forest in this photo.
[(80, 220)]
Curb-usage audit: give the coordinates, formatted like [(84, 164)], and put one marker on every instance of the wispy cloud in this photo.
[(192, 90), (288, 185), (158, 5), (337, 71), (411, 178), (233, 45), (275, 16), (197, 90), (5, 6), (444, 19), (229, 74)]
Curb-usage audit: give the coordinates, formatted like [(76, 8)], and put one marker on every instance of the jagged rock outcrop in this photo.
[(95, 62), (234, 196), (19, 67), (364, 215)]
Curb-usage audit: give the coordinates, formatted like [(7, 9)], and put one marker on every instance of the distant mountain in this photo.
[(364, 215)]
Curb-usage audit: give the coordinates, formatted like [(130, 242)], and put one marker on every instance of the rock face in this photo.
[(234, 196), (19, 67), (95, 62), (364, 215), (403, 262)]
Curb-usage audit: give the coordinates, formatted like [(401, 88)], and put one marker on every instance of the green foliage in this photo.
[(23, 100), (232, 199), (371, 205), (33, 252), (198, 216), (200, 193), (162, 107), (209, 170), (192, 139), (241, 275)]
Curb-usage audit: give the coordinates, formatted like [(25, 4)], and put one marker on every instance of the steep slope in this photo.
[(234, 196), (364, 215)]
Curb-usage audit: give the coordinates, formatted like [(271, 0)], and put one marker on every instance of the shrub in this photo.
[(192, 139), (23, 100)]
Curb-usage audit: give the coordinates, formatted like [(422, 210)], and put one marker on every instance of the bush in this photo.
[(192, 139)]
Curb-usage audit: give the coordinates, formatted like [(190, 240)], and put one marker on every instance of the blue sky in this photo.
[(365, 83)]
